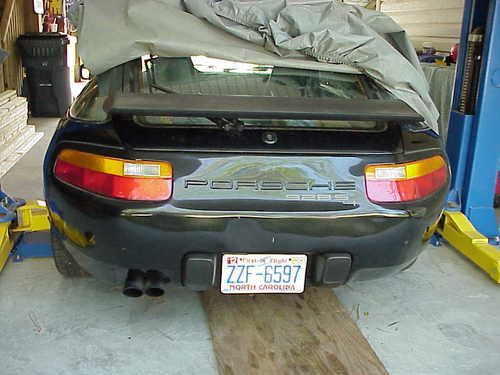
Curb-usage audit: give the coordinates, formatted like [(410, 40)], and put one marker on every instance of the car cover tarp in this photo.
[(442, 83), (324, 35)]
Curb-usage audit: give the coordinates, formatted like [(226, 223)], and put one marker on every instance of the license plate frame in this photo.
[(264, 273)]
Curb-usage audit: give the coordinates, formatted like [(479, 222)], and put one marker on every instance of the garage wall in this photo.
[(17, 18), (436, 21)]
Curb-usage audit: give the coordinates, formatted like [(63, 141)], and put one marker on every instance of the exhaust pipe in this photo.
[(134, 284), (155, 284)]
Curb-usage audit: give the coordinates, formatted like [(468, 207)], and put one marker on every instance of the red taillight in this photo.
[(116, 178), (405, 182)]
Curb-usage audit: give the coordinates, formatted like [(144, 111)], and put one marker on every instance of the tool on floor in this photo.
[(18, 217)]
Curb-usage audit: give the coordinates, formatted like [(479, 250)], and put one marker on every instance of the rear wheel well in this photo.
[(65, 263)]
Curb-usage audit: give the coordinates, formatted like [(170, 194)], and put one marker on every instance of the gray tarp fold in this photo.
[(325, 35)]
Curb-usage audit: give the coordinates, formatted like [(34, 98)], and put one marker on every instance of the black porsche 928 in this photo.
[(246, 178)]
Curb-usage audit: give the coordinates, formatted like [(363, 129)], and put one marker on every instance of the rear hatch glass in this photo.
[(200, 75)]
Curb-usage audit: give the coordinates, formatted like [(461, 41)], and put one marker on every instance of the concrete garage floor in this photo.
[(439, 317)]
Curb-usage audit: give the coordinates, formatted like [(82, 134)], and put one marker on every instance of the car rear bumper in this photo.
[(107, 241)]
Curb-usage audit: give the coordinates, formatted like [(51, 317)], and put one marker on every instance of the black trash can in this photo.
[(45, 58)]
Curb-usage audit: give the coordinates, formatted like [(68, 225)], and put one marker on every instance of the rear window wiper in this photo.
[(227, 124), (162, 88)]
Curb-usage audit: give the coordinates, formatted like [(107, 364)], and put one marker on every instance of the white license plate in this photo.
[(263, 273)]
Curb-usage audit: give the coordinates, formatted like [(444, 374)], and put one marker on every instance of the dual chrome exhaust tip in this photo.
[(152, 283)]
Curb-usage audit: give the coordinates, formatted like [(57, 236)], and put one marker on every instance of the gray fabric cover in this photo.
[(442, 82), (325, 35)]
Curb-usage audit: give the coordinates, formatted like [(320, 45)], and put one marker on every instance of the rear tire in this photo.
[(64, 261), (410, 265)]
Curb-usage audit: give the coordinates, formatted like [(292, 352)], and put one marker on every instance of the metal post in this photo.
[(473, 145)]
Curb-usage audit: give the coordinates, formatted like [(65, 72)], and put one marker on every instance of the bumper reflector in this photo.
[(115, 178), (405, 182)]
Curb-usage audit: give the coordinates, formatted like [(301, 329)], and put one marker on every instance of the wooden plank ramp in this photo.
[(287, 334)]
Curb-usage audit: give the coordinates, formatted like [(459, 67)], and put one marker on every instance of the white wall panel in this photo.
[(435, 21)]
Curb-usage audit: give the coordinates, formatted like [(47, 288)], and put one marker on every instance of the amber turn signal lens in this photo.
[(134, 180), (390, 183)]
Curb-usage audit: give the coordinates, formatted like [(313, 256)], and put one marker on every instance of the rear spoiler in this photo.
[(257, 107)]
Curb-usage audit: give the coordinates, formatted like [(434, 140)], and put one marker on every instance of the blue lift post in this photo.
[(473, 139), (474, 133)]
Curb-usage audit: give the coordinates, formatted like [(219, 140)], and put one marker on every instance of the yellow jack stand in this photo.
[(30, 217), (456, 229), (5, 244)]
